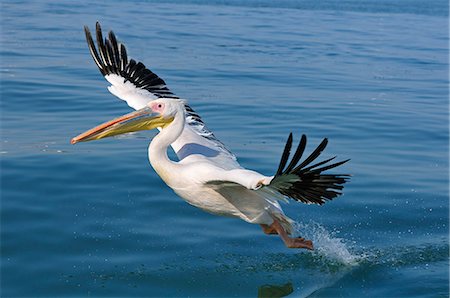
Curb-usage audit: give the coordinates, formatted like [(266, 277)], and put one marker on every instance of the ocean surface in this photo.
[(95, 220)]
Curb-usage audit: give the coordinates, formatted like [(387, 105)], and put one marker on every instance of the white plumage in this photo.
[(207, 175)]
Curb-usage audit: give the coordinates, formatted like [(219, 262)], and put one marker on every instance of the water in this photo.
[(95, 220)]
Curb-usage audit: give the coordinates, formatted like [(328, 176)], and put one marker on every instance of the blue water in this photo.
[(95, 220)]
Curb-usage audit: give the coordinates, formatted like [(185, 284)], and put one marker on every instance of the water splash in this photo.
[(327, 246)]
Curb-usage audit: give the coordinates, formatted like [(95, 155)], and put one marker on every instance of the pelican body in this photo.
[(207, 175)]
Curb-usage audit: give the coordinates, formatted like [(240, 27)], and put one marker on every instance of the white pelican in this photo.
[(207, 175)]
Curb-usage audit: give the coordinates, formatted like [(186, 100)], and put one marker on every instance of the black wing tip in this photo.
[(290, 138), (93, 50), (105, 52), (111, 35), (111, 58), (317, 189), (86, 30), (298, 154), (313, 186), (285, 155), (313, 156)]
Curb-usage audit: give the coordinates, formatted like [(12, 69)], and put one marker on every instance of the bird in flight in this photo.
[(207, 175)]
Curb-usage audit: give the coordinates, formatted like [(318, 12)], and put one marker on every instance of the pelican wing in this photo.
[(304, 182), (134, 83), (249, 202)]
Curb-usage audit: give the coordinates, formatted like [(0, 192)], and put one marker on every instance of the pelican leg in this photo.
[(288, 241), (269, 230)]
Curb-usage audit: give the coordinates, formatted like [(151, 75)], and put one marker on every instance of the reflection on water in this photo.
[(273, 291)]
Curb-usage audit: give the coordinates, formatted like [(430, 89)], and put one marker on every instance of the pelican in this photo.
[(207, 175)]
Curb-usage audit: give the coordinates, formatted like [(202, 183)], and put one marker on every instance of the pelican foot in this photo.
[(288, 241), (299, 243)]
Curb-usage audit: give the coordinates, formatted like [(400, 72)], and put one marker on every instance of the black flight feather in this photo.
[(317, 165), (298, 153), (111, 58), (329, 166), (123, 58), (93, 50), (311, 185), (285, 155), (313, 155)]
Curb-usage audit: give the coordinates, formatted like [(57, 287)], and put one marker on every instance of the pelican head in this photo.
[(157, 113)]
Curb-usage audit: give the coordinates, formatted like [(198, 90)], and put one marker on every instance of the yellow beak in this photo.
[(143, 119)]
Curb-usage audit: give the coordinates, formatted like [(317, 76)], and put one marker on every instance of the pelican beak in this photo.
[(143, 119)]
